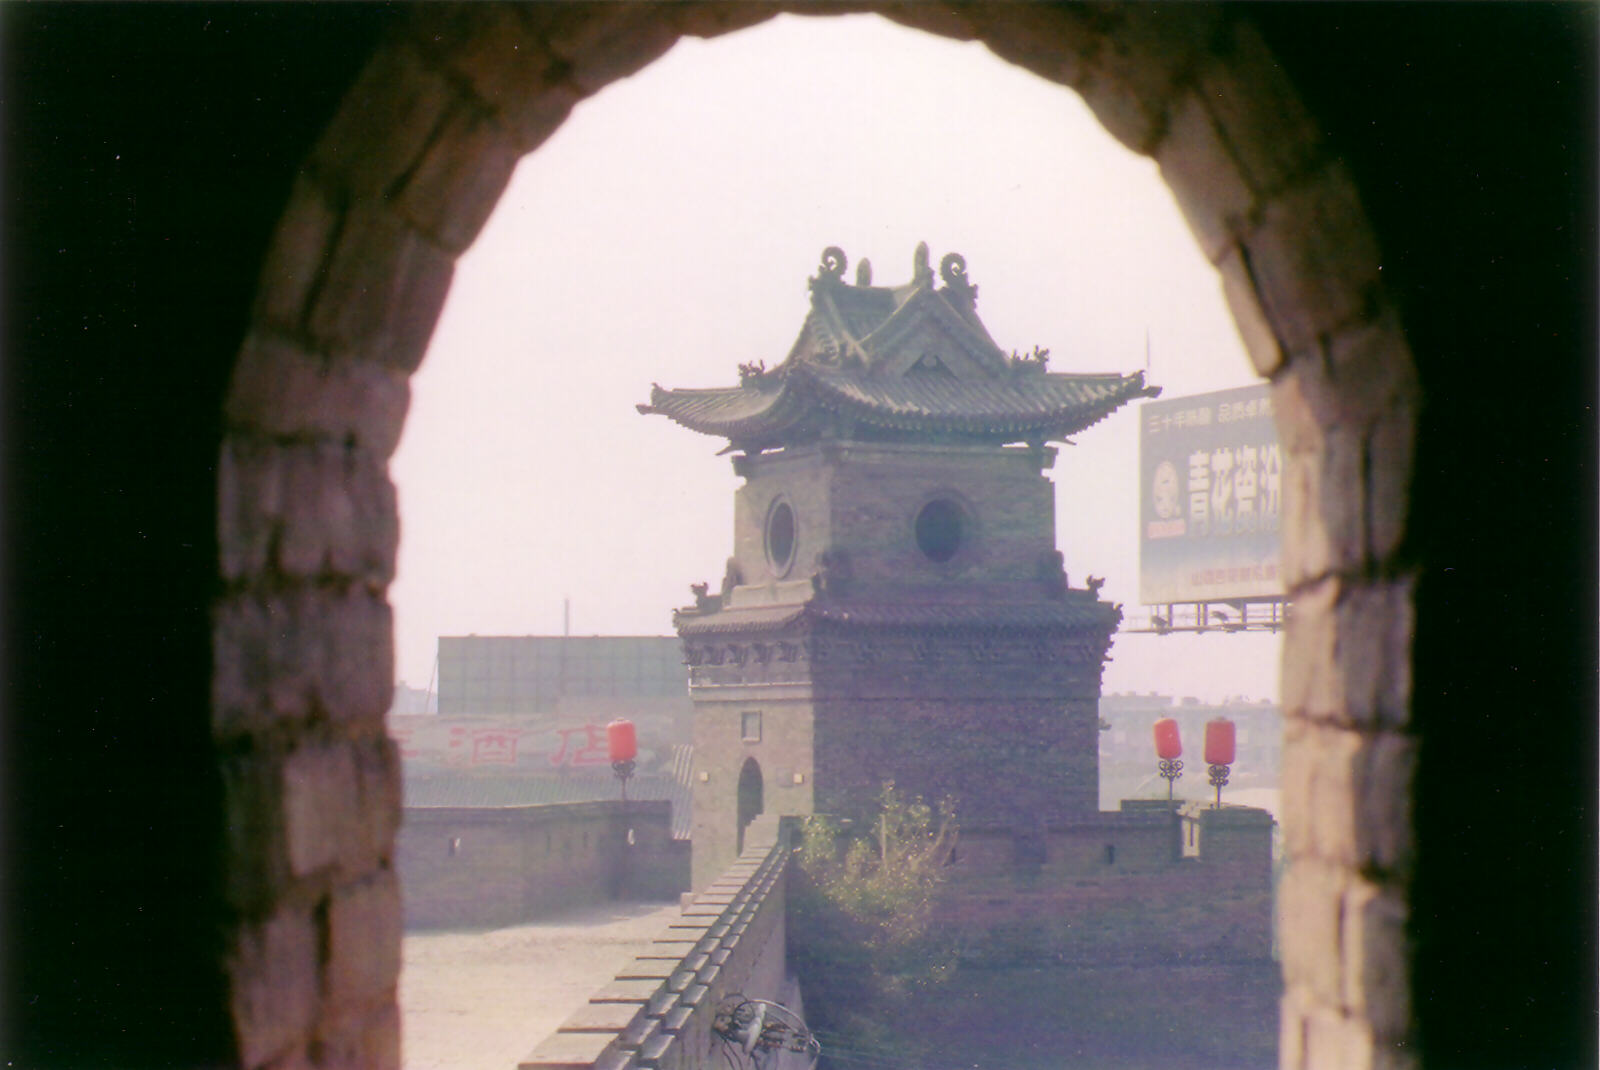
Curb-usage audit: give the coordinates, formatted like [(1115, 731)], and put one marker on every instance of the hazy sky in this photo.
[(666, 232)]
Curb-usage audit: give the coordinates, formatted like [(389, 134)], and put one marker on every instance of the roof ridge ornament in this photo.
[(921, 272), (864, 272), (831, 269), (953, 270)]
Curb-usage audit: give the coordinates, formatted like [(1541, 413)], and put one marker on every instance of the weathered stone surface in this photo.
[(295, 258), (298, 652), (1335, 1042), (1391, 462), (1257, 109), (364, 925), (1375, 952), (1324, 489), (307, 511), (255, 858), (1292, 1009), (381, 293), (1384, 840), (603, 42), (1142, 59), (1261, 344), (1204, 179), (280, 390), (383, 125), (1314, 259), (1310, 899), (272, 977), (459, 179), (503, 62), (1052, 42), (360, 1038), (720, 17), (939, 19), (1347, 652)]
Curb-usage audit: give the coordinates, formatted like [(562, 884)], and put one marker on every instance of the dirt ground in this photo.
[(484, 999)]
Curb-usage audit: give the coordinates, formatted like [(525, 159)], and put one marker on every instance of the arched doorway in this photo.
[(404, 177), (750, 798)]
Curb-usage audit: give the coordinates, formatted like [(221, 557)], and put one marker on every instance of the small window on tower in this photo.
[(780, 537), (750, 727), (941, 530)]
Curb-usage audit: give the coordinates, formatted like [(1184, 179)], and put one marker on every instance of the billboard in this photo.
[(1210, 498)]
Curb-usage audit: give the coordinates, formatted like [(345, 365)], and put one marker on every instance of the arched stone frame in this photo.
[(750, 796), (398, 187)]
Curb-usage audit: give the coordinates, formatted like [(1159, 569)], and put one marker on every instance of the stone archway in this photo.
[(751, 803), (399, 185)]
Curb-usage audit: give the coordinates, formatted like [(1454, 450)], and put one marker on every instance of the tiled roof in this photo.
[(1013, 408), (898, 362)]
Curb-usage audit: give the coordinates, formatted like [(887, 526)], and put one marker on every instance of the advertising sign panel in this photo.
[(1211, 493)]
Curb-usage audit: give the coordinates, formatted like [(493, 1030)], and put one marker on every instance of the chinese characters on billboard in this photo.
[(1211, 494)]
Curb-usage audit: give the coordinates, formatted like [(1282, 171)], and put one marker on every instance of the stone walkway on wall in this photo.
[(485, 999)]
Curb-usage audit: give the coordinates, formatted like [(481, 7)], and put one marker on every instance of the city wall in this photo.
[(477, 867), (657, 1013)]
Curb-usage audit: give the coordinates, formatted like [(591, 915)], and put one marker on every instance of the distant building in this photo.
[(501, 674), (521, 721), (895, 607)]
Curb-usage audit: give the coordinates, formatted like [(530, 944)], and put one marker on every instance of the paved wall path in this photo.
[(484, 999)]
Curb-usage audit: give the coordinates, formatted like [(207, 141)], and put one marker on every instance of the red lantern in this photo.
[(1168, 743), (1219, 742), (621, 743)]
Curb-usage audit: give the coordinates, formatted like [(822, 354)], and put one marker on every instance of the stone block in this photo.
[(459, 179), (255, 857), (320, 795), (1335, 1042), (937, 19), (604, 42), (570, 1051), (381, 293), (1052, 42), (295, 257), (364, 924), (1347, 652), (634, 991), (721, 17), (1239, 290), (1314, 259), (1310, 904), (272, 980), (340, 518), (1376, 957), (301, 651), (1128, 113), (1391, 454), (279, 390), (1204, 179), (603, 1018), (1257, 109), (1384, 839), (383, 125), (1292, 1030), (369, 1037)]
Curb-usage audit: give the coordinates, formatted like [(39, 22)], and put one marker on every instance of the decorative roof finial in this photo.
[(833, 263), (864, 272), (953, 269), (921, 272)]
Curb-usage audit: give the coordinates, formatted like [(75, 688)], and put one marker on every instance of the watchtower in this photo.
[(895, 607)]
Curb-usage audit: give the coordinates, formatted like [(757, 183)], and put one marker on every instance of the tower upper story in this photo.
[(896, 454)]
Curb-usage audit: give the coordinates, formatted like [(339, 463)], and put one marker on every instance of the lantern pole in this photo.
[(1172, 769), (1219, 777)]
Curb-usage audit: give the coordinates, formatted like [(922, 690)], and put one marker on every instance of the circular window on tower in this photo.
[(780, 537), (942, 529)]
